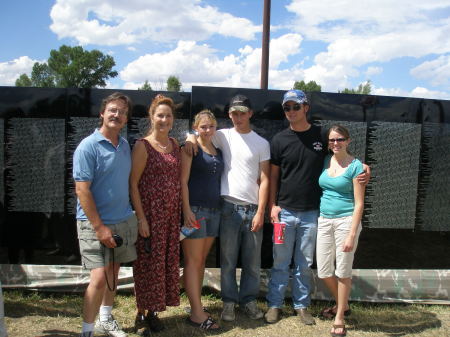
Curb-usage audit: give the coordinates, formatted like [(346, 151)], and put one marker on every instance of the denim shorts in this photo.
[(95, 255), (209, 226)]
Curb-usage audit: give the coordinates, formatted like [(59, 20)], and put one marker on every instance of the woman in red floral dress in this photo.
[(155, 193)]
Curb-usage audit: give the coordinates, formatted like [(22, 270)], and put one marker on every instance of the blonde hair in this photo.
[(157, 101), (204, 113)]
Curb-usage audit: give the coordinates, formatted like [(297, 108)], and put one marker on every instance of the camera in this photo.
[(118, 240)]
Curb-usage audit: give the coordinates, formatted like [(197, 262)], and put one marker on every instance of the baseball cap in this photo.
[(296, 96), (240, 103)]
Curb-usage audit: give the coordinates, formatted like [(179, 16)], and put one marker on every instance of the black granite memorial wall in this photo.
[(404, 140)]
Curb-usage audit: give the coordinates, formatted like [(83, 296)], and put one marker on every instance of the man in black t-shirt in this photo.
[(297, 155)]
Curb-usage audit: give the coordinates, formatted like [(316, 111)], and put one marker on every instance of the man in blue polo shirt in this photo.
[(101, 169)]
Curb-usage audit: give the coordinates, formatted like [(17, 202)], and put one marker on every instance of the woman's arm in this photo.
[(358, 193), (138, 161), (186, 163)]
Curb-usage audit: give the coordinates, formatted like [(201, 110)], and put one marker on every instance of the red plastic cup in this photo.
[(278, 232)]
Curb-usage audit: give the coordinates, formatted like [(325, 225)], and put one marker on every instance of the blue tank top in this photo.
[(204, 180)]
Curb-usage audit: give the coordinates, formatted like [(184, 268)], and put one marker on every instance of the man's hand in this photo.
[(257, 222), (274, 213), (191, 146), (364, 177), (104, 235)]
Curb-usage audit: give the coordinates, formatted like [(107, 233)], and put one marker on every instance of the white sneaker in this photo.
[(252, 310), (228, 312), (109, 327)]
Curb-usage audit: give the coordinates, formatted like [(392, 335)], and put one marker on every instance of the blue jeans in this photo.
[(235, 234), (299, 242)]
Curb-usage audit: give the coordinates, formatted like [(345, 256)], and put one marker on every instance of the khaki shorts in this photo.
[(331, 234), (95, 255)]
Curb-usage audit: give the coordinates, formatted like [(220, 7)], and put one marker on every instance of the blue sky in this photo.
[(402, 46)]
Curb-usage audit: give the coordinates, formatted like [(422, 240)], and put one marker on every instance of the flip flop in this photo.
[(339, 326), (207, 324)]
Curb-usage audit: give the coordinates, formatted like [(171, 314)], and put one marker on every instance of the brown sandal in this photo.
[(339, 326)]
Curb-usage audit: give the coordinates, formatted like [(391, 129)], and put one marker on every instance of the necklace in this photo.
[(161, 146), (340, 164)]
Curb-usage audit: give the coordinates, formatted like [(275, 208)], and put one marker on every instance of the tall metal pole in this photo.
[(265, 46)]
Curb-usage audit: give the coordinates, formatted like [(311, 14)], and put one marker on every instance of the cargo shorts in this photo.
[(95, 255)]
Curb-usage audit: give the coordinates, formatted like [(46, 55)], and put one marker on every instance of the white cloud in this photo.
[(115, 22), (436, 71), (426, 93), (11, 70), (359, 33), (418, 92), (371, 71), (198, 64)]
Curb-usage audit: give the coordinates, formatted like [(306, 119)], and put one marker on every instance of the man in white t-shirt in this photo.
[(244, 189)]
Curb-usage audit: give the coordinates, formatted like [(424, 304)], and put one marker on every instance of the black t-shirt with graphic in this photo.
[(300, 157)]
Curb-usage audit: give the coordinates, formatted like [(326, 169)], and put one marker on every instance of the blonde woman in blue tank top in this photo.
[(200, 189), (339, 225)]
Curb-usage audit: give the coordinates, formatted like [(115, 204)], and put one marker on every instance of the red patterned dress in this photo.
[(156, 274)]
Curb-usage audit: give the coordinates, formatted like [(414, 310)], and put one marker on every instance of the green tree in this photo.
[(23, 81), (173, 83), (363, 89), (145, 86), (310, 86), (73, 67), (41, 76)]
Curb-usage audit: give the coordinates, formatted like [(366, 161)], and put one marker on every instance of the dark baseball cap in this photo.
[(240, 103)]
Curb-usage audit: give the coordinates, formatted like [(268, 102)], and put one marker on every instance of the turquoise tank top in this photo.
[(337, 192)]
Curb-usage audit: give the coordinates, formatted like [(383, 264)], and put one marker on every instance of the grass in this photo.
[(43, 314)]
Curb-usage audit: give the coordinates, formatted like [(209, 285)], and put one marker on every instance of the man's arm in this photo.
[(263, 195), (190, 147), (364, 177), (274, 209), (84, 194)]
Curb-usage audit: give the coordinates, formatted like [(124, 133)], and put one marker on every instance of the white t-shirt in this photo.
[(242, 154)]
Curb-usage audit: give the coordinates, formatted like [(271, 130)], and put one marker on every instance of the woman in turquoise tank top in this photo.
[(339, 225)]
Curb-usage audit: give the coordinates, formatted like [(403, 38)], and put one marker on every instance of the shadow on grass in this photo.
[(401, 320), (20, 304)]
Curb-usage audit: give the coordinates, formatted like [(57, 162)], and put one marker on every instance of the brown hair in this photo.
[(157, 101), (204, 113), (114, 97)]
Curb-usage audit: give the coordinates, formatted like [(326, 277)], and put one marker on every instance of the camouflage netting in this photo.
[(369, 285)]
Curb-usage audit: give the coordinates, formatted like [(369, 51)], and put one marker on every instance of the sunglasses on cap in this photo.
[(296, 107)]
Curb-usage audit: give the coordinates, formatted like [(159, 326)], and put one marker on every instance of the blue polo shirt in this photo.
[(108, 168)]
